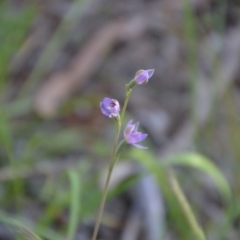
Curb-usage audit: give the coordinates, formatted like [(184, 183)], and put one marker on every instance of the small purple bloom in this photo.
[(132, 136), (110, 107), (142, 76)]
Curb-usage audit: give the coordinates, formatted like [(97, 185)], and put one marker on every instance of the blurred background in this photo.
[(59, 58)]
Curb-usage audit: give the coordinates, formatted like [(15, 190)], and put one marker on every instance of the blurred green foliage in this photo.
[(76, 190), (13, 28)]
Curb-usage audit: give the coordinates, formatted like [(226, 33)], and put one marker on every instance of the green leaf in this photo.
[(75, 203), (202, 163), (149, 162), (158, 169), (24, 231)]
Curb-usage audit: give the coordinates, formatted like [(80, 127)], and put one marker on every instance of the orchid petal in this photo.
[(132, 136), (140, 146), (150, 72), (110, 107)]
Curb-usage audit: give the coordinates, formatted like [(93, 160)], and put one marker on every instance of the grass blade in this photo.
[(75, 203), (204, 164)]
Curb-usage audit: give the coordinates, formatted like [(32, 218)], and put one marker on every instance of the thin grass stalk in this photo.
[(196, 229)]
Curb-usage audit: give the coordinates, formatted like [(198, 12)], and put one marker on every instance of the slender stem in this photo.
[(186, 207), (94, 237), (105, 190), (128, 94)]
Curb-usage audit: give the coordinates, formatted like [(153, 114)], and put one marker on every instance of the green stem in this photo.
[(105, 190), (186, 207), (128, 94)]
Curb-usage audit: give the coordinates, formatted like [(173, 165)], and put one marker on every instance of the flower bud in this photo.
[(142, 76)]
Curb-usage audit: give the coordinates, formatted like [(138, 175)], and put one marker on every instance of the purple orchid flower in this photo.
[(132, 136), (142, 76), (110, 107)]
